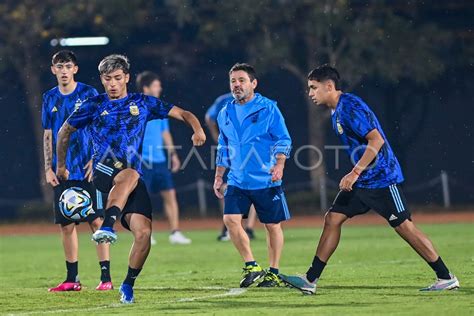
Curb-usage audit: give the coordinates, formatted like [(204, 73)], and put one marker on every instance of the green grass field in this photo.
[(372, 272)]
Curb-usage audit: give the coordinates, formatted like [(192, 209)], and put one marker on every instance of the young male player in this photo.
[(156, 174), (254, 144), (373, 183), (211, 122), (117, 121), (58, 104)]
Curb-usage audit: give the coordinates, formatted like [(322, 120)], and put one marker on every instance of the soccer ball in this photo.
[(75, 204)]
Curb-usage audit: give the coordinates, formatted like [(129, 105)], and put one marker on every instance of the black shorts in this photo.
[(138, 202), (388, 202), (98, 201)]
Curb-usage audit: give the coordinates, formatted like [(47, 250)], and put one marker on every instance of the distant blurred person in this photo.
[(156, 174), (373, 183), (58, 104), (254, 144), (211, 121)]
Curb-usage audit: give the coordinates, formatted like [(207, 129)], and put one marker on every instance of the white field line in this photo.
[(230, 292)]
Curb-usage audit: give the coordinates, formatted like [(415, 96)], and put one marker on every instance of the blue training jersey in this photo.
[(218, 104), (153, 147), (56, 108), (352, 120), (117, 126)]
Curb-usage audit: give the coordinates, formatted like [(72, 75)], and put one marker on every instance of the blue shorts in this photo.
[(270, 203), (157, 178)]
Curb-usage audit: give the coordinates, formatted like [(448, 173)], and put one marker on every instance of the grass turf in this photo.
[(372, 272)]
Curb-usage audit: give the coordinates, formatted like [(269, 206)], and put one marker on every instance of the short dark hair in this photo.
[(244, 67), (325, 72), (145, 79), (64, 56), (114, 62)]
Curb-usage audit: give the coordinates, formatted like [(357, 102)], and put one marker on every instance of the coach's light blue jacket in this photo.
[(249, 150)]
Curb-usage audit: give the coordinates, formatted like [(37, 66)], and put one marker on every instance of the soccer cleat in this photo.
[(251, 274), (443, 284), (104, 286), (152, 240), (271, 280), (66, 286), (300, 282), (105, 235), (177, 238), (126, 294), (224, 236), (250, 233)]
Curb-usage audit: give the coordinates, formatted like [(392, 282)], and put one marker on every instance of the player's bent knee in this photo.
[(232, 221), (333, 219), (142, 235)]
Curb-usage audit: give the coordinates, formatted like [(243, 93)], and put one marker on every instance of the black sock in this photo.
[(132, 274), (72, 271), (440, 268), (105, 271), (251, 263), (110, 216), (314, 272)]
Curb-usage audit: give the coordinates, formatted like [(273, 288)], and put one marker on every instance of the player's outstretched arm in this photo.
[(199, 137), (62, 146)]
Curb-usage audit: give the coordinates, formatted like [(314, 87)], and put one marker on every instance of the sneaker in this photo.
[(250, 233), (271, 280), (126, 294), (224, 236), (300, 282), (443, 284), (251, 274), (179, 239), (105, 235), (152, 240), (104, 286), (66, 286)]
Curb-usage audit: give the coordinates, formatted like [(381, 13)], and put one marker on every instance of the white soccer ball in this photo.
[(75, 204)]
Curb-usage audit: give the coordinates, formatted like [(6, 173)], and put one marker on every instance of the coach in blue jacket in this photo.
[(254, 144)]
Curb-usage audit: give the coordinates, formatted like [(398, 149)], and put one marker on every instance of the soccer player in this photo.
[(254, 144), (58, 104), (117, 121), (156, 174), (211, 122), (373, 183)]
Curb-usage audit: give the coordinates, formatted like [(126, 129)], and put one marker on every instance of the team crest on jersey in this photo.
[(134, 109), (339, 127), (77, 104)]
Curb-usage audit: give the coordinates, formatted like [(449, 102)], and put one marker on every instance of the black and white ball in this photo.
[(75, 204)]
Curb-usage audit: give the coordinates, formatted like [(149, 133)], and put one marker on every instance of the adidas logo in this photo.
[(276, 198), (55, 109), (114, 217), (104, 268), (392, 217), (104, 113)]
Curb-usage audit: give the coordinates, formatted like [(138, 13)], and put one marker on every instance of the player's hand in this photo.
[(218, 186), (88, 169), (277, 172), (175, 163), (51, 178), (199, 138), (62, 173), (348, 181)]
